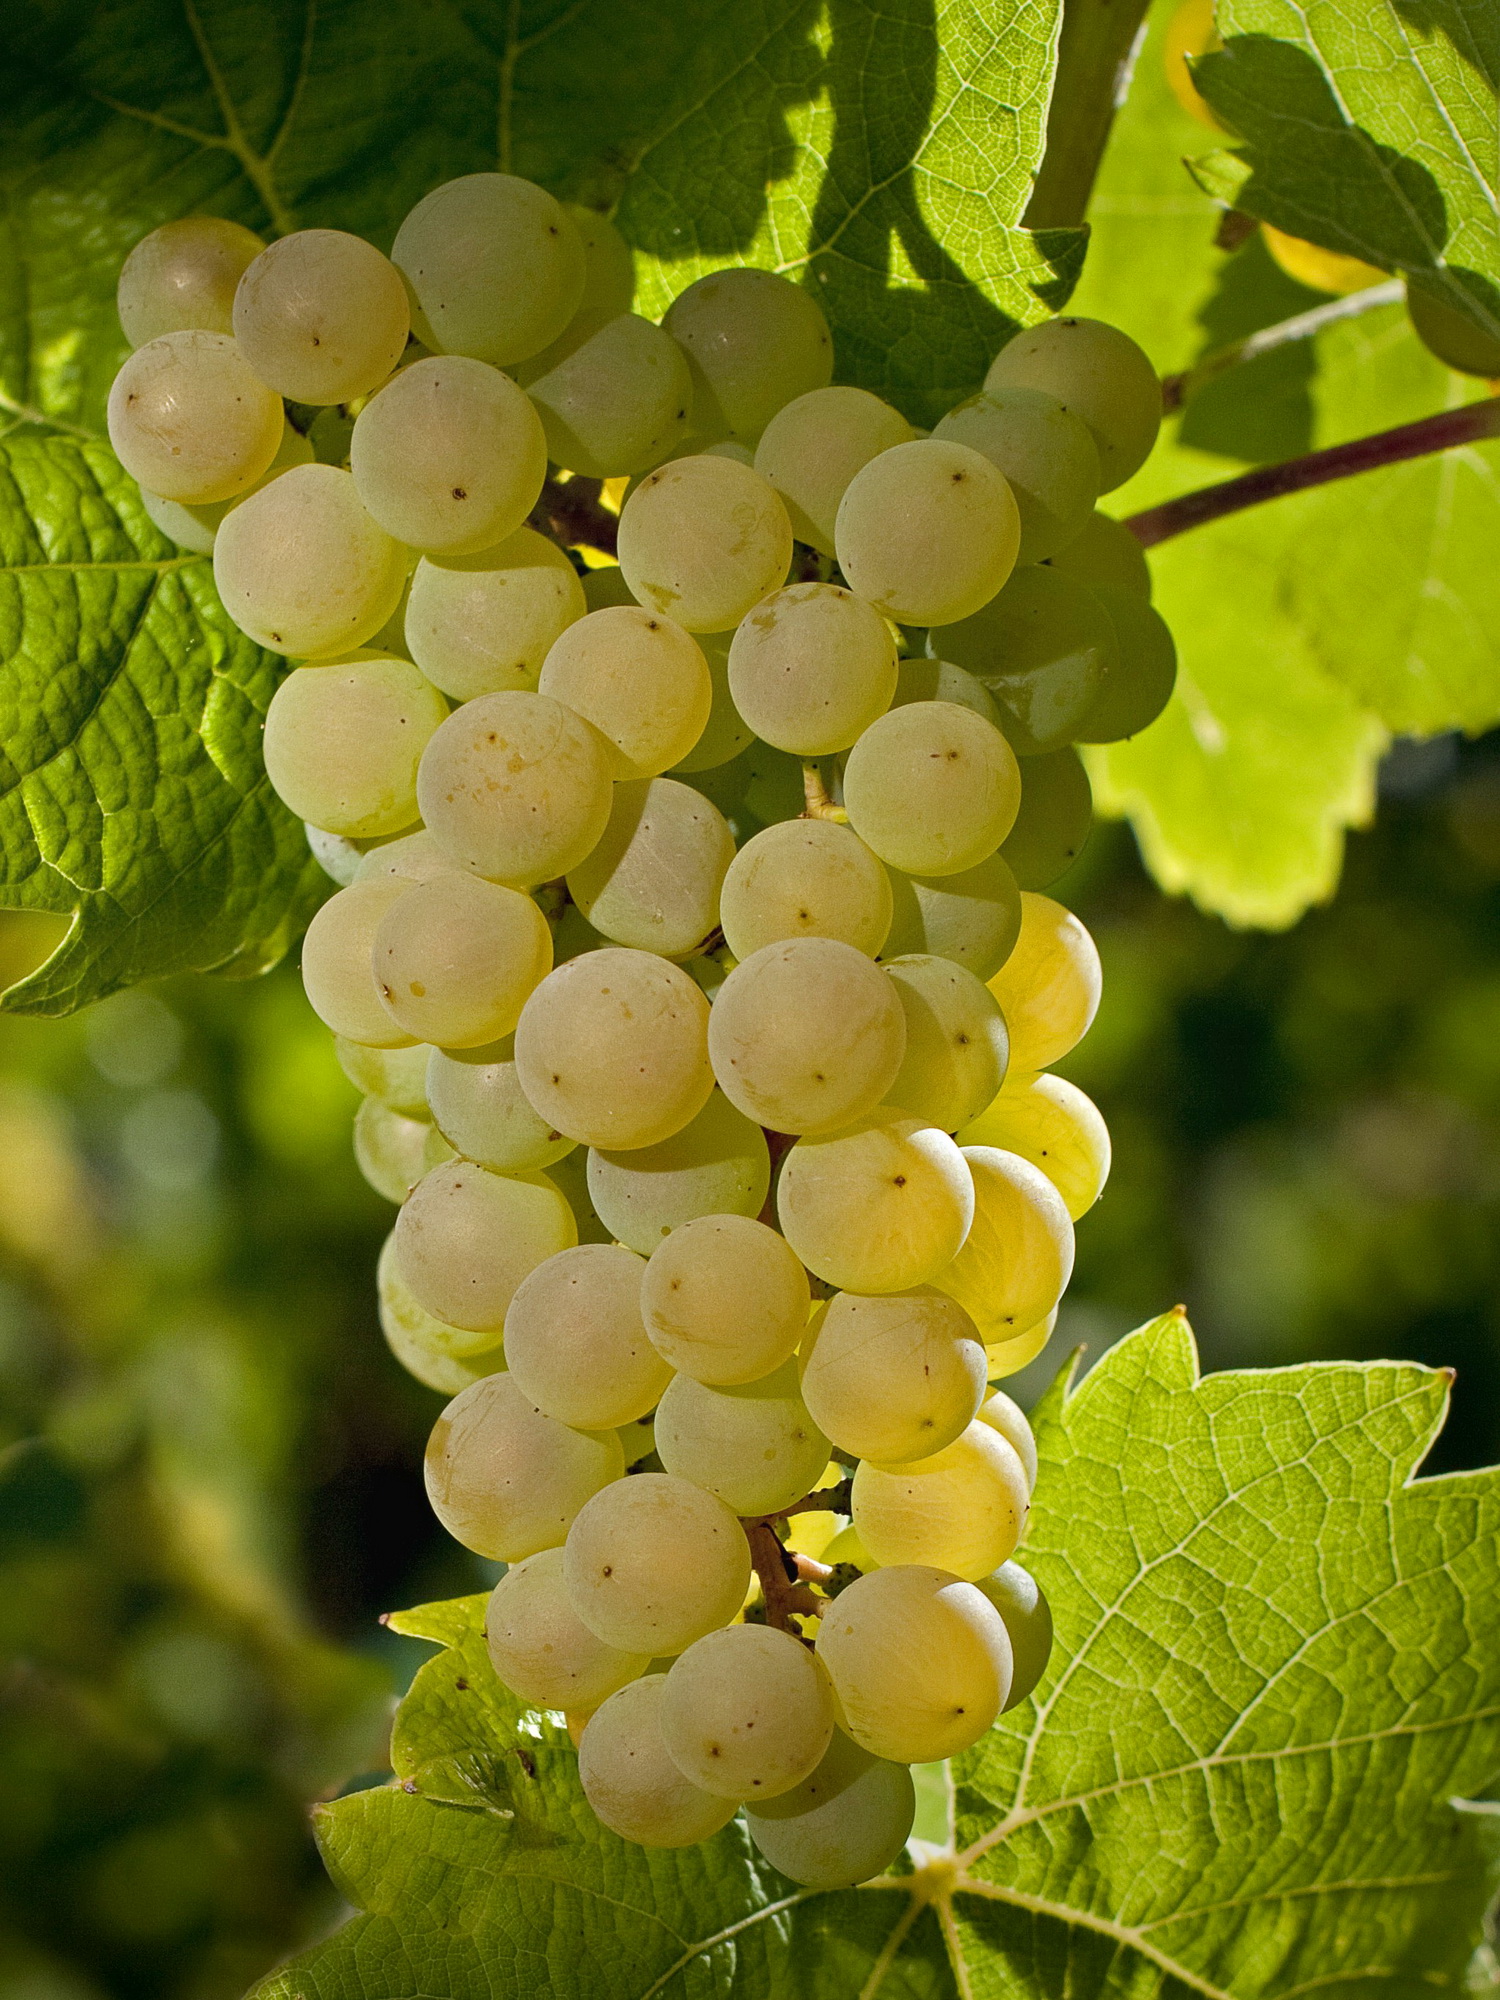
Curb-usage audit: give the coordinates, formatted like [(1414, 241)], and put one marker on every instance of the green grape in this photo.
[(618, 402), (806, 1035), (773, 784), (393, 1151), (1099, 374), (1018, 1257), (753, 341), (398, 1077), (478, 1105), (336, 969), (411, 857), (182, 277), (450, 456), (445, 1358), (932, 788), (613, 1048), (654, 1562), (753, 1444), (1018, 1598), (197, 528), (505, 1480), (1009, 1419), (640, 679), (703, 540), (718, 1164), (654, 879), (919, 1660), (973, 917), (1004, 1357), (630, 1781), (576, 1342), (321, 316), (1138, 677), (190, 421), (843, 1825), (1056, 817), (456, 959), (466, 1238), (606, 586), (893, 1378), (1049, 986), (495, 267), (303, 569), (880, 1206), (1105, 555), (956, 1043), (813, 447), (747, 1713), (539, 1647), (805, 878), (726, 733), (725, 1300), (960, 1509), (484, 623), (1044, 648), (1048, 457), (921, 679), (573, 935), (1456, 339), (811, 667), (1051, 1123), (927, 532), (637, 1441), (342, 743), (516, 787)]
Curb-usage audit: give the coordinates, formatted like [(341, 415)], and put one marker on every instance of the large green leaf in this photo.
[(1276, 1679)]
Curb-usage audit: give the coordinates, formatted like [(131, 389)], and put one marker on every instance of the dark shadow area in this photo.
[(1260, 412)]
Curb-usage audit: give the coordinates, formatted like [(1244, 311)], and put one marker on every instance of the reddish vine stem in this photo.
[(1441, 432)]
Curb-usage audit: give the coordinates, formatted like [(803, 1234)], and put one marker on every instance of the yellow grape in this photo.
[(466, 1238), (1050, 1122), (1049, 987), (654, 1562), (725, 1299), (1018, 1257), (961, 1509), (718, 1164), (456, 958), (747, 1712), (894, 1377), (880, 1206), (632, 1784), (539, 1646), (576, 1342), (640, 679)]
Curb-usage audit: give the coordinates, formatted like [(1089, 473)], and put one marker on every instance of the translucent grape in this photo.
[(1106, 554), (932, 788), (1048, 457), (618, 402), (516, 787), (921, 679), (653, 881), (450, 456), (844, 1824), (1098, 373), (752, 1444), (303, 569), (494, 265), (507, 1481), (321, 316), (630, 1781), (182, 276), (1056, 817), (805, 878), (445, 1358), (919, 1660), (197, 527), (703, 540), (806, 1035), (725, 1299), (813, 447), (1004, 1357), (1018, 1598), (398, 1077), (1049, 987), (456, 959), (880, 1206), (336, 967), (961, 1509), (753, 341), (747, 1712), (1007, 1417), (613, 1048), (639, 678), (718, 1164), (893, 1378), (726, 733), (540, 1648), (414, 857), (956, 1043), (393, 1151), (1051, 1123), (342, 742), (1138, 677), (1043, 648), (478, 1105), (1018, 1258), (973, 917), (575, 1340), (466, 1239), (484, 623), (927, 532), (190, 421), (654, 1562), (811, 667)]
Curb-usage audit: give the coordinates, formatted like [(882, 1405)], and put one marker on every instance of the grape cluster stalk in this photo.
[(689, 949)]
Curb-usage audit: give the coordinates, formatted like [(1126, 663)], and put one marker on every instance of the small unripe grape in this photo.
[(922, 679), (484, 623), (1105, 552), (753, 341), (813, 447), (844, 1824), (639, 678), (726, 733), (703, 540), (811, 667), (928, 531), (1043, 647), (321, 316), (1018, 1598), (1452, 335), (932, 788), (1138, 677), (1098, 373), (189, 420), (398, 1077), (457, 958), (393, 1152), (342, 744), (183, 276)]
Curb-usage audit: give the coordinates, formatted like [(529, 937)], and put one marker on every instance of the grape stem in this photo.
[(781, 1578), (1179, 389), (1442, 432), (821, 1500), (571, 513), (817, 802)]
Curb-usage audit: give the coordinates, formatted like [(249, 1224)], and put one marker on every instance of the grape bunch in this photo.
[(690, 950)]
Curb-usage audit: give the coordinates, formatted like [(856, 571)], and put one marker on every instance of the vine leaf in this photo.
[(1276, 1681)]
